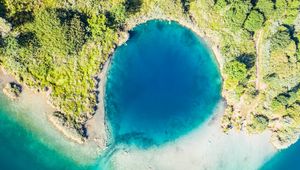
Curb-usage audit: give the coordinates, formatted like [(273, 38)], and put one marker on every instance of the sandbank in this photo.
[(205, 148)]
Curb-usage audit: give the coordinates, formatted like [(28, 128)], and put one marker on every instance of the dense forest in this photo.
[(53, 45), (60, 46), (262, 84)]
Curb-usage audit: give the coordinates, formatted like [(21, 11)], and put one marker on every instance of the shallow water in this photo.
[(161, 84), (175, 65), (22, 148)]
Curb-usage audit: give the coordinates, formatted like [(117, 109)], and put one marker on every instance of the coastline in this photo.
[(96, 126), (185, 22), (259, 147), (34, 111), (6, 78), (93, 124), (207, 147)]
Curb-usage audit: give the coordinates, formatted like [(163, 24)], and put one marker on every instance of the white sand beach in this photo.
[(205, 148), (33, 111)]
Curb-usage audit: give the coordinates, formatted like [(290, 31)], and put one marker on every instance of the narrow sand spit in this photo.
[(96, 126), (41, 108), (205, 148), (33, 110)]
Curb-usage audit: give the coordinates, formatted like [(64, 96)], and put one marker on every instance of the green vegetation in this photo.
[(61, 46), (236, 73), (58, 49), (133, 6), (254, 21), (264, 94), (267, 8), (280, 40), (258, 123)]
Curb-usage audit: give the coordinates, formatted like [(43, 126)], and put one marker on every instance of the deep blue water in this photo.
[(288, 159), (162, 83), (171, 63)]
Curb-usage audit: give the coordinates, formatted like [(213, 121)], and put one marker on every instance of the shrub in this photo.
[(266, 7), (237, 13), (280, 40), (133, 6), (235, 72), (75, 34), (258, 123), (117, 15), (254, 21)]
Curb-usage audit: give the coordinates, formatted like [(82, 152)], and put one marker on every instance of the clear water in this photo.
[(21, 148), (285, 159), (161, 84)]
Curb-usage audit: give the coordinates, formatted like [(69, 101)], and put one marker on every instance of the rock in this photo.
[(283, 141), (13, 90)]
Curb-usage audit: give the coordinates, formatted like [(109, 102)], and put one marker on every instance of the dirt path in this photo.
[(258, 84), (246, 106)]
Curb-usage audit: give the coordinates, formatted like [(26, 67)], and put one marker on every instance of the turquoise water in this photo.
[(285, 159), (21, 148), (161, 84)]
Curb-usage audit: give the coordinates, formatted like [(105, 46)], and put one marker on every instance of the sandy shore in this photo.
[(205, 148), (96, 126), (36, 113)]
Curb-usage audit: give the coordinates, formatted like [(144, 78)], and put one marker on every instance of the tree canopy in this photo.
[(254, 21)]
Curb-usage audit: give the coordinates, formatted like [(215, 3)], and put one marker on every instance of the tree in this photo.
[(97, 25), (235, 72), (266, 7), (186, 5), (258, 123), (247, 59), (76, 34), (133, 6), (220, 4), (104, 35), (237, 13), (287, 10), (28, 40), (280, 40), (117, 15), (235, 69), (254, 21)]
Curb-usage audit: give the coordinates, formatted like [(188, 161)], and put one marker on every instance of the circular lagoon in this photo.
[(161, 84)]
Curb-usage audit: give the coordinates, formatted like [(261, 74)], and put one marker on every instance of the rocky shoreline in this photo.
[(93, 128)]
